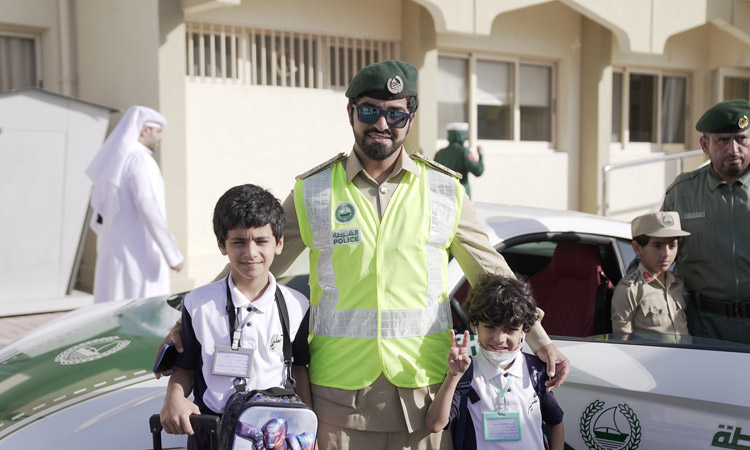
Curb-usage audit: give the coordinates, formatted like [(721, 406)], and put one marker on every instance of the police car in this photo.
[(84, 380)]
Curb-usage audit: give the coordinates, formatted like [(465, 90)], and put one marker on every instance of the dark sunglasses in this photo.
[(394, 119)]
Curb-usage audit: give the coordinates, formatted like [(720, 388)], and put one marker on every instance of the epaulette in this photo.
[(340, 157), (685, 176), (435, 165), (633, 276)]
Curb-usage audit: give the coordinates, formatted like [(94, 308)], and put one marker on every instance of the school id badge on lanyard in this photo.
[(233, 361), (501, 425)]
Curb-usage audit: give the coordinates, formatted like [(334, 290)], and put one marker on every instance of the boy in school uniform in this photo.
[(651, 299), (497, 399), (249, 226)]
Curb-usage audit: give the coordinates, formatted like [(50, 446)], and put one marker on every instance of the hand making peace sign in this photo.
[(458, 358)]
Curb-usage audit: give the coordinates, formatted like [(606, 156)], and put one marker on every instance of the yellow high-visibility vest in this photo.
[(378, 300)]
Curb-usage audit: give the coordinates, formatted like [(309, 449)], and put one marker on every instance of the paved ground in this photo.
[(13, 327)]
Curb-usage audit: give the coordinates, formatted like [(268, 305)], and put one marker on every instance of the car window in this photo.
[(572, 276), (575, 291), (626, 251)]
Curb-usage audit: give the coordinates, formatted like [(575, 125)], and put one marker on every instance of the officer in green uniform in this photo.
[(714, 207), (457, 157)]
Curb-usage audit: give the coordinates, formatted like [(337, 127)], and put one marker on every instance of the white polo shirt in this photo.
[(520, 398), (206, 306)]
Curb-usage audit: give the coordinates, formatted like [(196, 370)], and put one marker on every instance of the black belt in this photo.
[(727, 308)]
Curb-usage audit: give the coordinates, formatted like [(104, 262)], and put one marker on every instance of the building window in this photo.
[(642, 101), (535, 104), (451, 96), (494, 100), (649, 107), (673, 110), (513, 99), (736, 87), (279, 58), (19, 61), (617, 107)]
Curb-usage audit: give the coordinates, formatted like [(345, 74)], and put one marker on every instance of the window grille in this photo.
[(255, 56)]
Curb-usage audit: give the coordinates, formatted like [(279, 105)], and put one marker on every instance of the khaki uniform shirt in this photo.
[(383, 406), (642, 304)]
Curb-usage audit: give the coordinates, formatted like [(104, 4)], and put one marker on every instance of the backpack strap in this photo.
[(284, 315), (463, 410), (537, 372)]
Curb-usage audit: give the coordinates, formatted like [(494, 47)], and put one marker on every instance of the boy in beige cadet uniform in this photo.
[(651, 299)]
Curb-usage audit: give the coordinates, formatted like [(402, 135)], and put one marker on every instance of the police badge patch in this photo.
[(395, 85), (345, 212)]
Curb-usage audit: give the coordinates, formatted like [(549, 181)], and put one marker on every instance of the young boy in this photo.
[(249, 226), (651, 299), (501, 402)]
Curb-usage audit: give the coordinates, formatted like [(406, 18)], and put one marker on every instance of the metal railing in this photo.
[(639, 162)]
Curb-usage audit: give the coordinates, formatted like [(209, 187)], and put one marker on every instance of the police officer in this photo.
[(713, 205), (379, 224), (457, 157)]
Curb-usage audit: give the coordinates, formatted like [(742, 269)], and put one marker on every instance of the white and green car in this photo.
[(84, 381)]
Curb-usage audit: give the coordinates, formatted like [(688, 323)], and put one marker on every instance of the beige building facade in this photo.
[(553, 91)]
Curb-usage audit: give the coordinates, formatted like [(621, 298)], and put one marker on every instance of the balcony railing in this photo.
[(254, 56)]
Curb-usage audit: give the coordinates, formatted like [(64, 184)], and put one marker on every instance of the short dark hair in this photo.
[(412, 103), (248, 206), (502, 301)]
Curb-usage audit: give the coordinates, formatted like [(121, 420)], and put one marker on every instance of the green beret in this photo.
[(387, 80), (726, 117)]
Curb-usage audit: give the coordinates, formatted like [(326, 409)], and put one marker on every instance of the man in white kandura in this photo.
[(135, 248)]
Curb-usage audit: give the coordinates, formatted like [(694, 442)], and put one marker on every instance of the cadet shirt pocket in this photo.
[(698, 245), (652, 308)]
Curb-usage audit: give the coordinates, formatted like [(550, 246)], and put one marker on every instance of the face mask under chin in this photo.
[(502, 359)]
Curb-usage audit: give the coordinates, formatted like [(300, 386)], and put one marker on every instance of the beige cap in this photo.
[(660, 224)]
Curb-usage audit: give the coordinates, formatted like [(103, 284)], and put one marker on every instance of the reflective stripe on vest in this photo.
[(434, 317)]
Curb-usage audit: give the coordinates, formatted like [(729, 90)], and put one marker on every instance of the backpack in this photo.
[(269, 418)]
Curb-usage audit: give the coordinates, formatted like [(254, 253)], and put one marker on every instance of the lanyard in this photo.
[(501, 393), (234, 333)]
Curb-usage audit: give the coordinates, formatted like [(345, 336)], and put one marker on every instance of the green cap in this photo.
[(730, 116), (387, 80), (457, 131)]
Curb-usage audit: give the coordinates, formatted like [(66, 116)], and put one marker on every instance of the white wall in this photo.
[(252, 134), (45, 145), (373, 20)]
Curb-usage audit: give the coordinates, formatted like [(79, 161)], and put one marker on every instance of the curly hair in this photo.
[(502, 301), (248, 206)]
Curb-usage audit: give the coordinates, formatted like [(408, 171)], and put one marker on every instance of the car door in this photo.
[(626, 391)]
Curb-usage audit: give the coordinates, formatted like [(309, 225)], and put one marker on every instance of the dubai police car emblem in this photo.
[(91, 350), (742, 123), (395, 85), (607, 429), (345, 212), (667, 220)]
